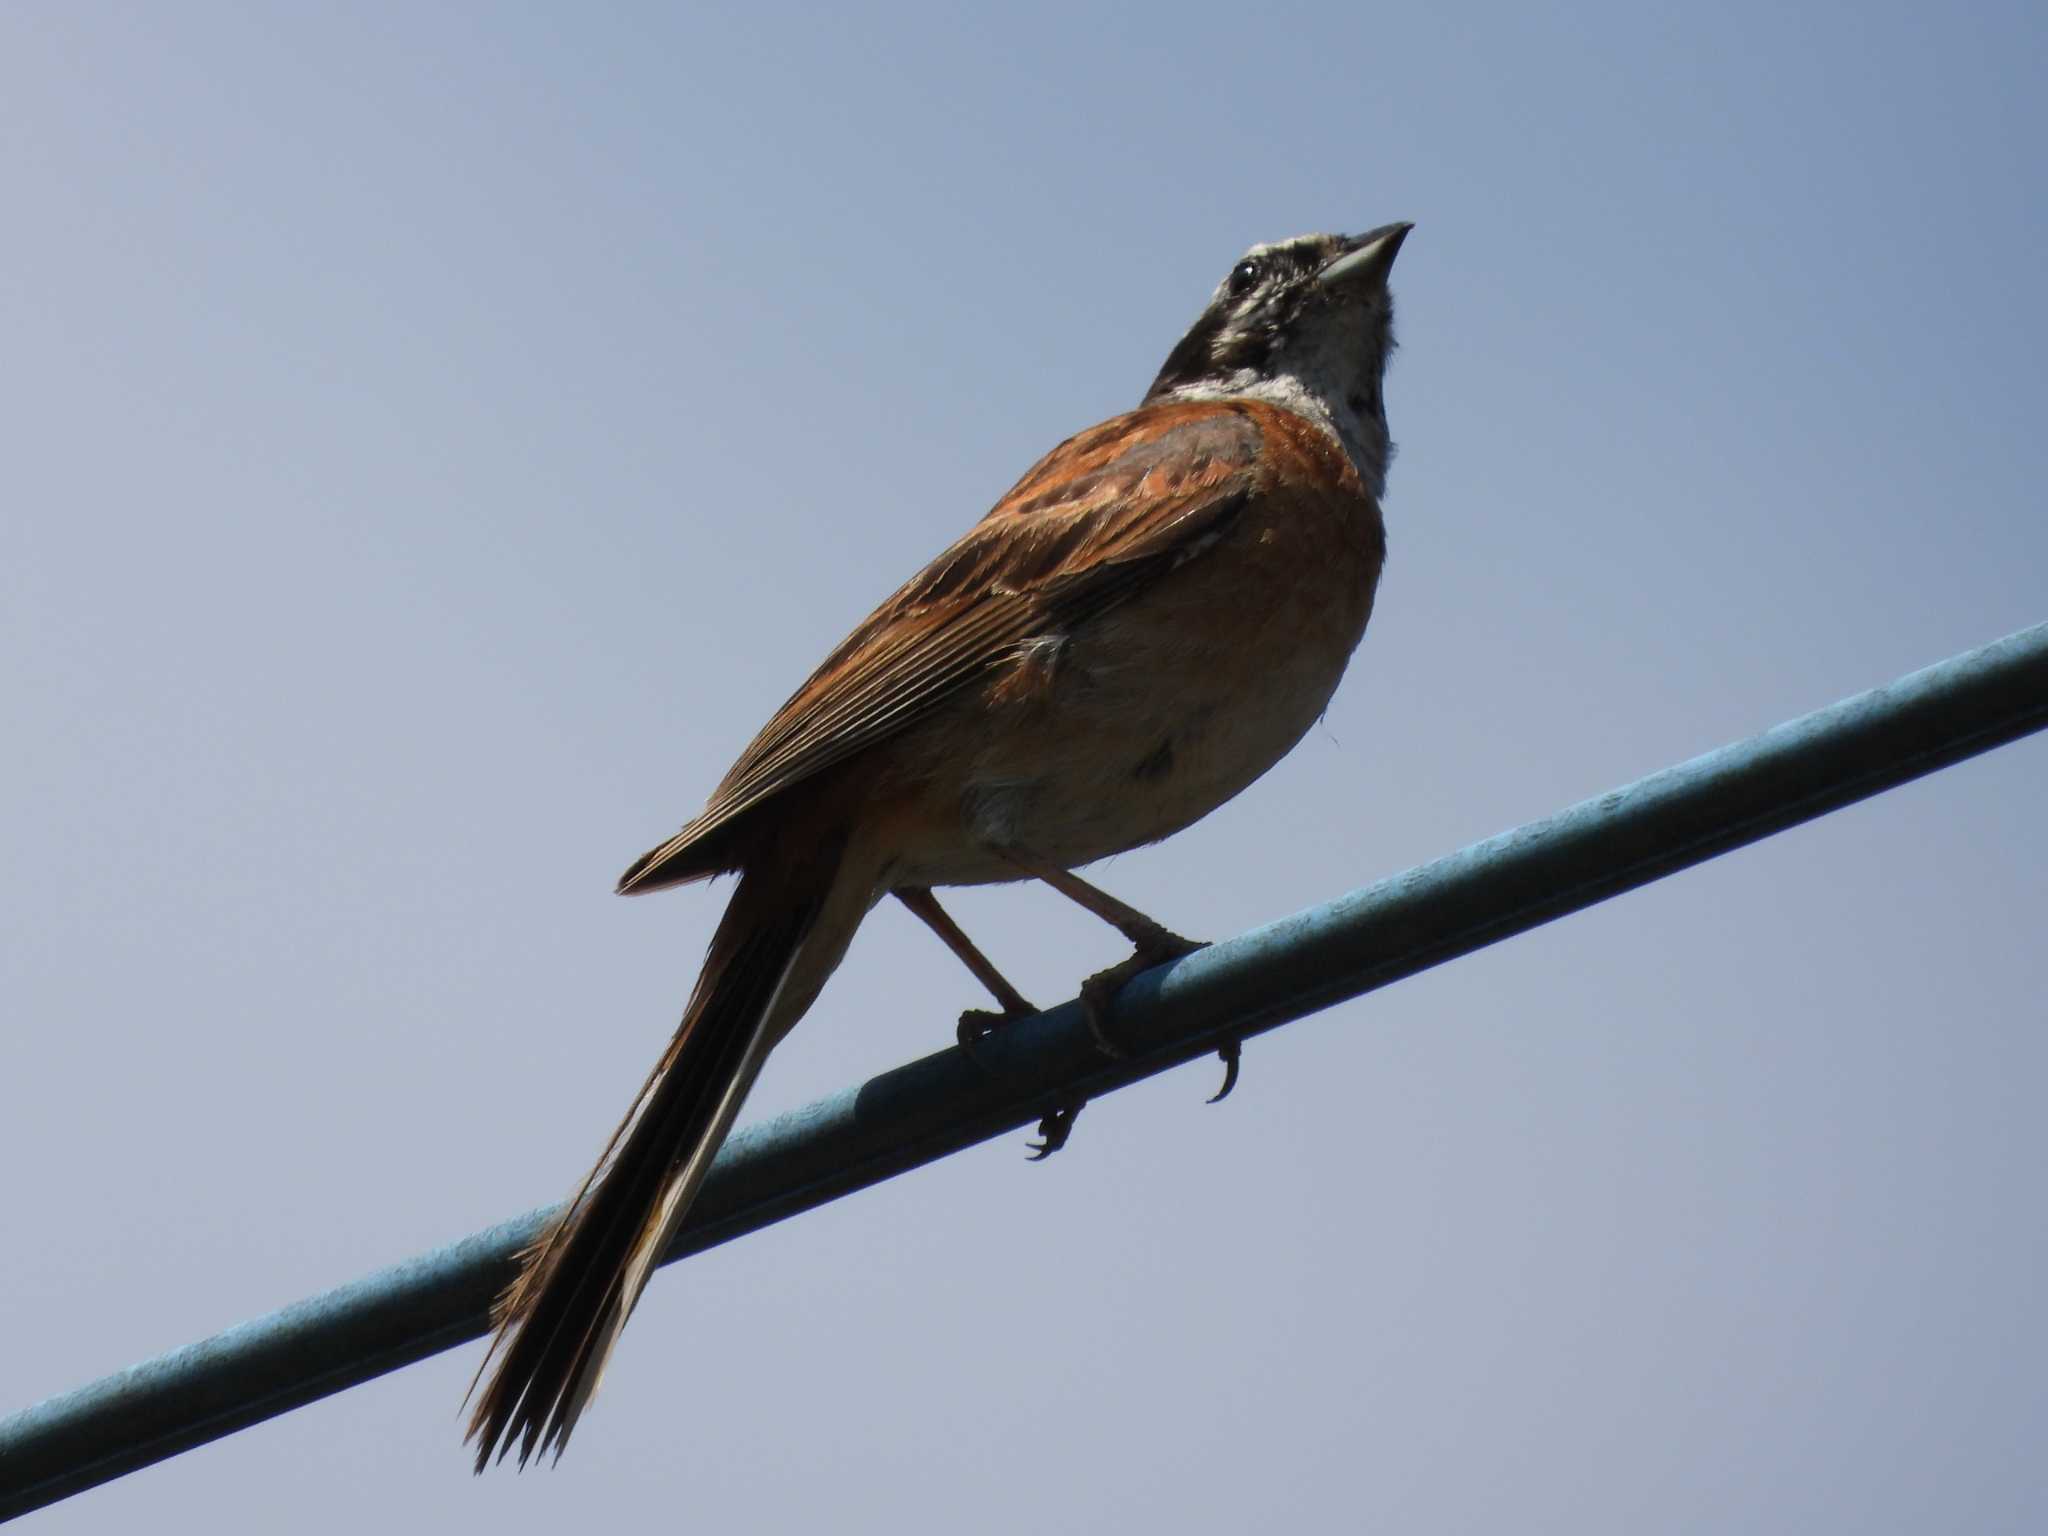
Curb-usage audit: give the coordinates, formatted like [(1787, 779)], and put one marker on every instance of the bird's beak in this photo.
[(1366, 260)]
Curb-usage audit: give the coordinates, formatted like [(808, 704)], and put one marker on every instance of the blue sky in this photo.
[(439, 437)]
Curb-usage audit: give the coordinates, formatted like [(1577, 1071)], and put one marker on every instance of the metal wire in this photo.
[(929, 1108)]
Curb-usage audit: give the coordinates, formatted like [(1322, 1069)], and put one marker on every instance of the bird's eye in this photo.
[(1243, 278)]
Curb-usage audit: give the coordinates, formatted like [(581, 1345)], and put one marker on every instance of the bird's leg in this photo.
[(974, 1022), (1153, 943)]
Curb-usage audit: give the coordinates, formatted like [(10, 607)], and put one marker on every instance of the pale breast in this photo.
[(1149, 716)]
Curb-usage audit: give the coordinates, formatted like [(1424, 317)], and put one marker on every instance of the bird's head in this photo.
[(1307, 323)]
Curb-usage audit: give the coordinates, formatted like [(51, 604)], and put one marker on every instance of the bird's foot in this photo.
[(977, 1024), (1155, 946)]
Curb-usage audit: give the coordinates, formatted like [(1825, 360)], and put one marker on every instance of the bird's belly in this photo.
[(1146, 718)]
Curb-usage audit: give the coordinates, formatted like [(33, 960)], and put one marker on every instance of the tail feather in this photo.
[(558, 1322)]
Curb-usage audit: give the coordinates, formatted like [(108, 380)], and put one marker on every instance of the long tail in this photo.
[(557, 1323)]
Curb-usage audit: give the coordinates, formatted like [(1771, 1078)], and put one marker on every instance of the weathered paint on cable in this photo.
[(929, 1108)]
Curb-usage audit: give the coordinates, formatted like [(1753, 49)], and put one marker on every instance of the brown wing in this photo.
[(1099, 515)]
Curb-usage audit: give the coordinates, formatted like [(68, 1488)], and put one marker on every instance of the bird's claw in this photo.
[(976, 1025), (1098, 995), (1056, 1127), (1230, 1054)]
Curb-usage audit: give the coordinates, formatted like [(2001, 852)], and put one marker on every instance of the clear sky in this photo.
[(436, 437)]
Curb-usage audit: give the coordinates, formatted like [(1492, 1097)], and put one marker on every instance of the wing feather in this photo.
[(1098, 517)]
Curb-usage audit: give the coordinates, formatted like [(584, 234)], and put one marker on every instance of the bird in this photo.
[(1143, 625)]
